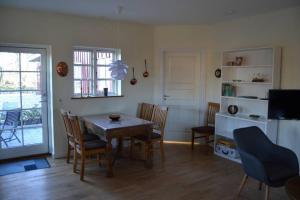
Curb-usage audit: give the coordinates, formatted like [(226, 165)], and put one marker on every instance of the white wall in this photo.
[(64, 31), (281, 28)]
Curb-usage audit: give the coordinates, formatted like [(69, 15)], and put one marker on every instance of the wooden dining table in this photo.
[(126, 126)]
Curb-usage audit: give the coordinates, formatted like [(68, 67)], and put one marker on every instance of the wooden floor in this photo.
[(185, 174)]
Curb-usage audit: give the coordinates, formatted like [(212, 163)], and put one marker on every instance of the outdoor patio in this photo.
[(32, 134)]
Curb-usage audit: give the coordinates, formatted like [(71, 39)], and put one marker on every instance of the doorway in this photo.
[(23, 102), (183, 92)]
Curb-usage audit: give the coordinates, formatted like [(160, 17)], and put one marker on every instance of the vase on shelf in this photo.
[(232, 109)]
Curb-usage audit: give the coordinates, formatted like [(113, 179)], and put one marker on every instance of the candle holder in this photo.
[(105, 92), (80, 88), (88, 88)]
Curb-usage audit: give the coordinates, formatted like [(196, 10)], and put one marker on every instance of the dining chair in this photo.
[(84, 148), (264, 161), (11, 122), (158, 118), (70, 136), (146, 110), (209, 128)]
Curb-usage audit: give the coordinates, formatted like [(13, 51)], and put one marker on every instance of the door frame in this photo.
[(48, 80), (202, 104)]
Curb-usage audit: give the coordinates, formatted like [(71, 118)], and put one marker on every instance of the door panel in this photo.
[(23, 90), (181, 93)]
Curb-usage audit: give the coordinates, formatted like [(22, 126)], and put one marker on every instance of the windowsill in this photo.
[(94, 97)]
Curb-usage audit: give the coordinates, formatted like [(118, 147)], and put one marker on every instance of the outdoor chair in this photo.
[(11, 122)]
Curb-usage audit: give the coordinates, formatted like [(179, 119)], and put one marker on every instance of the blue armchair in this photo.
[(264, 161)]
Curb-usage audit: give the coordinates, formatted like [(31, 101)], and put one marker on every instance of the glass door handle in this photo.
[(165, 97)]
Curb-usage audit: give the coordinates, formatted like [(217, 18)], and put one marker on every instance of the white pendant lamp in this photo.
[(118, 68)]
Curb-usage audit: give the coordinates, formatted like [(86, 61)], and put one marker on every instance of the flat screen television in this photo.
[(284, 104)]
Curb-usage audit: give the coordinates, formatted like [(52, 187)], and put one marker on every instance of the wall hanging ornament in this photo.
[(146, 73), (62, 69), (118, 70), (133, 81), (218, 73)]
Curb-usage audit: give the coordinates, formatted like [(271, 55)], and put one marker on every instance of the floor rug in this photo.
[(23, 166)]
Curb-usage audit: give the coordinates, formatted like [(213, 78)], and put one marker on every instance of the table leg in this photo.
[(119, 150), (149, 152), (109, 158), (120, 145)]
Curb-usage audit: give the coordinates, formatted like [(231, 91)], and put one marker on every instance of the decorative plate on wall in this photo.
[(218, 73), (62, 69)]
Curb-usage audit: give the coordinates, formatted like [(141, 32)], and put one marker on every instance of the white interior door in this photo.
[(181, 93), (23, 102)]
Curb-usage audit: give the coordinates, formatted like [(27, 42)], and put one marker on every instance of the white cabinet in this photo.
[(246, 85)]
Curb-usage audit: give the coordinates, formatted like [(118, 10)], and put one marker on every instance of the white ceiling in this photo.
[(158, 12)]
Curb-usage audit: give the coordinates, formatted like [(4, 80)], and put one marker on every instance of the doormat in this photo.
[(23, 166)]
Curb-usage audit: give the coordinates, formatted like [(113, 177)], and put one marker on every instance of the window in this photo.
[(91, 72)]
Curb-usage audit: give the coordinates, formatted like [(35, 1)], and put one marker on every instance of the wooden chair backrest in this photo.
[(213, 108), (68, 128), (78, 136), (146, 111), (159, 119)]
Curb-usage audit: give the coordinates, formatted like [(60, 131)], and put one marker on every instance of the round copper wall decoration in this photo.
[(62, 69)]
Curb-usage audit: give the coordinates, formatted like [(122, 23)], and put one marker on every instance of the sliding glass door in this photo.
[(23, 102)]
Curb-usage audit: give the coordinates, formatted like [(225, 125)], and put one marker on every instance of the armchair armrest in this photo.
[(283, 155), (253, 167)]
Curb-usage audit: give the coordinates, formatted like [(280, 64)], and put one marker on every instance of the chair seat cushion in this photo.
[(94, 144), (89, 137), (204, 129), (145, 137), (86, 137), (278, 171)]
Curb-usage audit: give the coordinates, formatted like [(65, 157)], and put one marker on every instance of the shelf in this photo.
[(248, 66), (244, 117), (246, 99), (229, 158), (95, 97), (258, 64), (249, 49), (224, 134), (247, 82)]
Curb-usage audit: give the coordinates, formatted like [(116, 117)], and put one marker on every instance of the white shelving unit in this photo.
[(248, 95)]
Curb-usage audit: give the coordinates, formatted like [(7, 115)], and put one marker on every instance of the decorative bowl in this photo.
[(114, 117)]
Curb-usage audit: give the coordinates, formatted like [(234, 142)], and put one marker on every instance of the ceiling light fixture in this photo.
[(118, 68)]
